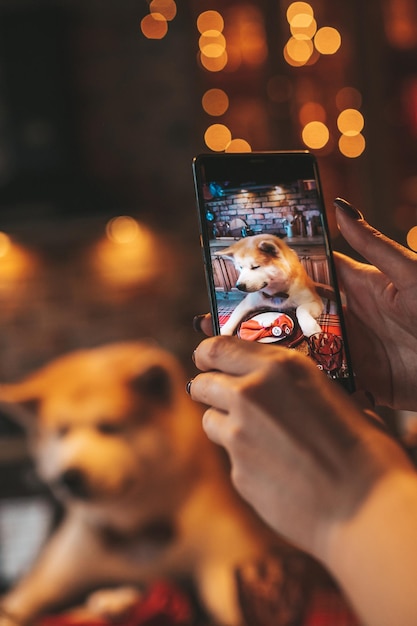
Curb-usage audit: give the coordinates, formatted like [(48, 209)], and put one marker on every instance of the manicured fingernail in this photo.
[(188, 386), (197, 323), (348, 209)]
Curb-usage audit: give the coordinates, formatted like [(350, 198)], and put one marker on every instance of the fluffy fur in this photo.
[(118, 440), (272, 275)]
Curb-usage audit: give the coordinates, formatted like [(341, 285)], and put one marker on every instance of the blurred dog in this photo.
[(118, 440), (272, 275)]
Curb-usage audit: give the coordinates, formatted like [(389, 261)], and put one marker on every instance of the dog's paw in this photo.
[(113, 604)]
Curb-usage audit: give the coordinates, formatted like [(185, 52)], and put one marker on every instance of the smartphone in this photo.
[(267, 255)]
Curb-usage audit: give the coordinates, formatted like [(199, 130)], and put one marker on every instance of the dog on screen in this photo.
[(273, 278)]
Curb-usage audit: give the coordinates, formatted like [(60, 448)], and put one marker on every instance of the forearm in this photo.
[(374, 555)]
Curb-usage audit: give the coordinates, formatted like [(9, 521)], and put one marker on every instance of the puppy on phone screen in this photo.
[(273, 277)]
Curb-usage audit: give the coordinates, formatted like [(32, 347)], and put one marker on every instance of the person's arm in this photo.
[(374, 554), (316, 468)]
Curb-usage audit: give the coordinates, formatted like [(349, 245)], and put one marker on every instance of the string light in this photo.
[(327, 40), (215, 102), (315, 135), (412, 238), (217, 137), (154, 26)]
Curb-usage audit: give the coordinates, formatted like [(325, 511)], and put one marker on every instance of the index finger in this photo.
[(231, 355), (393, 259)]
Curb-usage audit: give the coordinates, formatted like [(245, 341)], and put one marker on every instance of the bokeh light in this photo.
[(210, 20), (348, 98), (215, 102), (167, 8), (299, 7), (298, 51), (327, 40), (214, 64), (5, 244), (154, 26), (212, 44), (238, 145), (315, 135), (412, 238), (312, 111), (217, 137), (122, 229), (303, 26), (350, 122), (352, 146)]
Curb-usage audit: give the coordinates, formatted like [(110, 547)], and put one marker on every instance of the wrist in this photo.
[(373, 554)]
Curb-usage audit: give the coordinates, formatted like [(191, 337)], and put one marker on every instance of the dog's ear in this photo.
[(19, 404), (229, 252), (269, 247), (154, 383)]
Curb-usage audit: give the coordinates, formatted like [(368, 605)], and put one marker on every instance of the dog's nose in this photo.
[(241, 286), (74, 481)]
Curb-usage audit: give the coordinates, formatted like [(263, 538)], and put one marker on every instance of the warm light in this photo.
[(350, 122), (352, 147), (154, 26), (311, 111), (315, 135), (131, 261), (412, 238), (214, 64), (348, 97), (122, 229), (298, 51), (217, 137), (327, 40), (167, 8), (16, 264), (299, 7), (238, 145), (5, 244), (303, 25), (215, 102), (210, 20), (212, 44)]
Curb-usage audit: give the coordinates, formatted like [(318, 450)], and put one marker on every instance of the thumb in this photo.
[(394, 260)]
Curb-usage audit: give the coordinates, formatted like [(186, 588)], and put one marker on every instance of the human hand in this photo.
[(381, 311), (301, 451)]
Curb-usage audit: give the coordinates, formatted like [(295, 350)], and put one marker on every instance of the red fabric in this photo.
[(163, 605), (329, 608), (251, 330)]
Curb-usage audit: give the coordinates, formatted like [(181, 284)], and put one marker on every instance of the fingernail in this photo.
[(197, 323), (193, 357), (348, 209), (188, 386)]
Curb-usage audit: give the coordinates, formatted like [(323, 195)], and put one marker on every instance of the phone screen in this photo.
[(267, 255)]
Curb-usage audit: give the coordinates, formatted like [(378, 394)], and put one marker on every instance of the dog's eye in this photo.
[(107, 428), (63, 430), (255, 267)]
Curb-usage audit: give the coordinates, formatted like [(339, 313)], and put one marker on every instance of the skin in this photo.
[(318, 468)]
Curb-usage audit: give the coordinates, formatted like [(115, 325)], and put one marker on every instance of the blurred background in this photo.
[(103, 104)]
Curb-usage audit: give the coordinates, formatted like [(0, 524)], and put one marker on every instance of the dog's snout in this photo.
[(73, 479), (242, 286)]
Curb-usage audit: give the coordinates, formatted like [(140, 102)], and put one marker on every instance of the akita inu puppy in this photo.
[(118, 440), (274, 278)]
